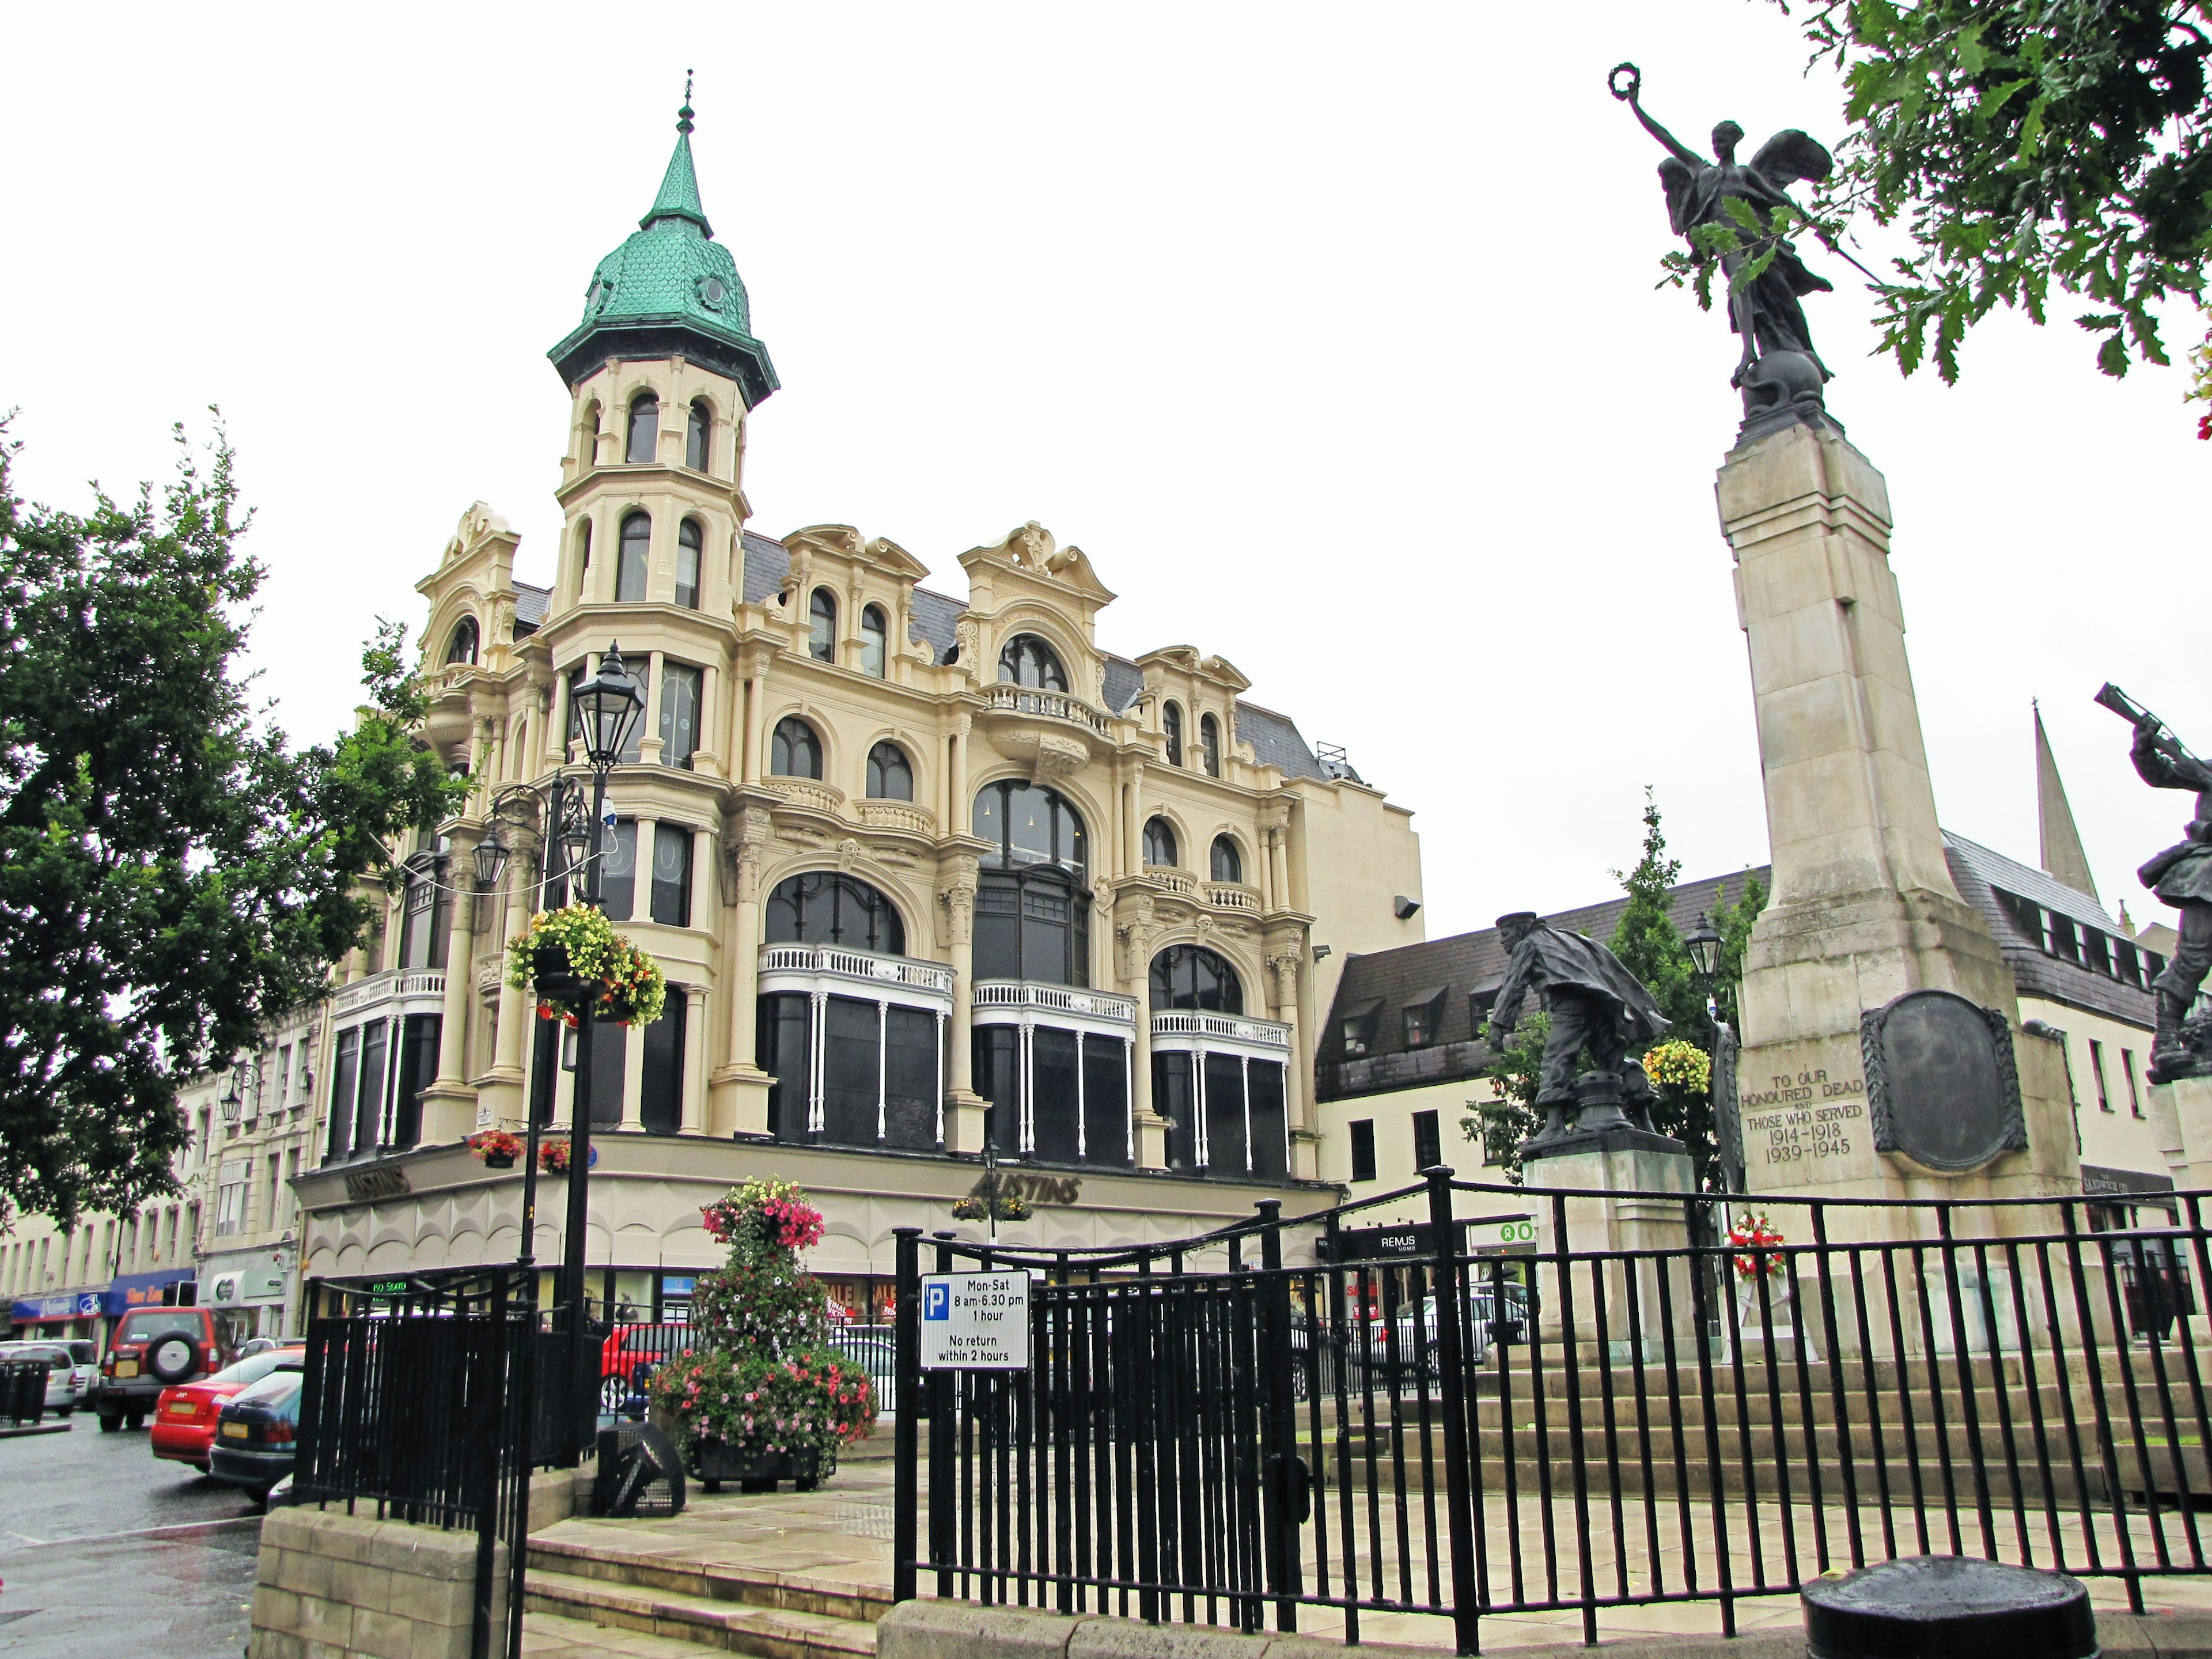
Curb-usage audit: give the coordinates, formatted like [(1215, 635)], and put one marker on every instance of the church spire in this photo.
[(2062, 856), (679, 185)]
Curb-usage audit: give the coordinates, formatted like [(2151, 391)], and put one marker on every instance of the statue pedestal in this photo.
[(2182, 1110), (1615, 1163), (1863, 909)]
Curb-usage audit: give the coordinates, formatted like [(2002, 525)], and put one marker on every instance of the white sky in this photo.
[(1329, 333)]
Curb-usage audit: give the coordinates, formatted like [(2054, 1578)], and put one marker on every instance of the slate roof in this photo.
[(531, 602), (1464, 966), (1275, 738), (1981, 873)]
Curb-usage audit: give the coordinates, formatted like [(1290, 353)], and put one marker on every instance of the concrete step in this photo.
[(549, 1636), (699, 1621), (790, 1592)]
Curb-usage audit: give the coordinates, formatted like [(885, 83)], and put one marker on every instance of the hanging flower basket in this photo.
[(573, 962), (495, 1149), (1757, 1236), (977, 1207), (553, 1156), (774, 1212), (1684, 1065)]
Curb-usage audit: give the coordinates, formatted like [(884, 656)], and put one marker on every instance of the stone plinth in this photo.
[(2182, 1110), (332, 1583), (1863, 909), (1614, 1171)]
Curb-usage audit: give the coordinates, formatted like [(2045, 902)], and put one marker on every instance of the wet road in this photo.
[(105, 1550)]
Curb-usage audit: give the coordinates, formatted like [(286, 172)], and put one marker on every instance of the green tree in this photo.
[(2026, 146), (173, 874), (1501, 1125)]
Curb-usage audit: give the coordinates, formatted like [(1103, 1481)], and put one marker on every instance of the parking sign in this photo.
[(975, 1321)]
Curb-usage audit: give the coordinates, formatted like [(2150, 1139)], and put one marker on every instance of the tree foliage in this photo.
[(173, 875), (2025, 146)]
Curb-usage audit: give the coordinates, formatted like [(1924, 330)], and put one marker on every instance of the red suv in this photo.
[(629, 1348), (153, 1349)]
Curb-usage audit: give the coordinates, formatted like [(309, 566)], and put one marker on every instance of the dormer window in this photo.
[(821, 626), (1159, 843), (644, 431), (1424, 1017), (1172, 732), (1028, 660), (1355, 1029), (875, 636), (698, 435), (1209, 743), (463, 647)]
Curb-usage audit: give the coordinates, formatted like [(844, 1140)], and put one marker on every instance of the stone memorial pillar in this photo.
[(1881, 1054)]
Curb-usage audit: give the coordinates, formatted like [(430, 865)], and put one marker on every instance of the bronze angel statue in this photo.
[(1767, 314)]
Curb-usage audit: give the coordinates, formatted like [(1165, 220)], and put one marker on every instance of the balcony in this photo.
[(1228, 1033), (1050, 733), (1218, 895), (868, 975), (1047, 705), (416, 990), (1010, 1002)]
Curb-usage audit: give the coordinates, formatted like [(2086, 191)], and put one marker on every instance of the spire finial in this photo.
[(684, 115)]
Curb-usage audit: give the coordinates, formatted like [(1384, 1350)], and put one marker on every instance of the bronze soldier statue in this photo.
[(2182, 877), (1596, 1005)]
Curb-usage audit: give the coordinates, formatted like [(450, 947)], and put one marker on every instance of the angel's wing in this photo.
[(1677, 180), (1791, 155)]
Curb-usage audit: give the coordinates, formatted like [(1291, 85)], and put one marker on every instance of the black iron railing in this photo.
[(1238, 1427)]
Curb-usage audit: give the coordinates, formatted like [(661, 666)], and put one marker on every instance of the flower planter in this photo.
[(499, 1160), (716, 1461), (550, 975)]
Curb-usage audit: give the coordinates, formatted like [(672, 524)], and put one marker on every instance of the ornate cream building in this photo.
[(921, 872)]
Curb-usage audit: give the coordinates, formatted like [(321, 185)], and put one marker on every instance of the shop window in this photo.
[(1266, 1105), (891, 777), (1028, 660), (794, 751), (1363, 1149), (660, 1098), (644, 429), (875, 636), (679, 713), (784, 1042), (368, 1103), (635, 557), (345, 1075), (1192, 977), (698, 435), (1227, 862), (821, 626), (689, 540), (827, 908), (1159, 843), (418, 1069), (1171, 733), (672, 875)]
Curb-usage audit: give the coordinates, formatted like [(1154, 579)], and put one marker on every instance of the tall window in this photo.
[(583, 550), (645, 429), (618, 869), (688, 540), (1227, 862), (1028, 660), (588, 436), (636, 557), (1428, 1141), (1159, 842), (698, 433), (1192, 977), (1209, 743), (875, 636), (1172, 732), (660, 1098), (672, 875), (2128, 1067), (679, 713), (825, 907), (794, 751), (463, 645), (345, 1072), (891, 776), (1363, 1149), (2097, 1071), (1033, 898), (821, 626), (230, 1197), (426, 920), (640, 670)]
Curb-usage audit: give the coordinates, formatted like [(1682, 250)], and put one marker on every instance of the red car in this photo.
[(629, 1346), (184, 1420)]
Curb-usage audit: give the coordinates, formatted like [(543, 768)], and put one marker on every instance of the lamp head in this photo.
[(1704, 947), (604, 708)]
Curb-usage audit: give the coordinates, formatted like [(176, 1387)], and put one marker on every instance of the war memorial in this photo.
[(1652, 1410)]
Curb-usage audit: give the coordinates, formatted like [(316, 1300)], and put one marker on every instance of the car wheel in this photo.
[(110, 1423), (614, 1394), (174, 1358)]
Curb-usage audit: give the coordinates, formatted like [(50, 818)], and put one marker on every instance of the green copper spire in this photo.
[(672, 289)]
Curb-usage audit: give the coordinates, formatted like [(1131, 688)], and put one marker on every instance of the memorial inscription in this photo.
[(1820, 1116)]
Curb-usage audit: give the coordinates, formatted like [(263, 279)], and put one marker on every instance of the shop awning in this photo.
[(143, 1290)]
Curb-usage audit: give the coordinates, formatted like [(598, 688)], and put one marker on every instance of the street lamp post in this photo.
[(601, 713), (1703, 945)]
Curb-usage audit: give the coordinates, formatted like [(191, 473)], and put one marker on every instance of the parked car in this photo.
[(183, 1422), (256, 1432), (632, 1349), (152, 1349), (61, 1392), (1487, 1325)]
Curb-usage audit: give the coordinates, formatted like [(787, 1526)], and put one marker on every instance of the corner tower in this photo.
[(663, 371)]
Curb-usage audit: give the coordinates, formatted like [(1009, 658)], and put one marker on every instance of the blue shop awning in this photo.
[(131, 1290)]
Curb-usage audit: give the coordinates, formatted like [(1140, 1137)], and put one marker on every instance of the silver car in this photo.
[(61, 1367)]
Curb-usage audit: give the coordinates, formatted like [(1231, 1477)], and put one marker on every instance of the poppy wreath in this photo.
[(1757, 1235), (631, 990)]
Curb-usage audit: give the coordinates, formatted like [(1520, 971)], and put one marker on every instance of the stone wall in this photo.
[(332, 1583)]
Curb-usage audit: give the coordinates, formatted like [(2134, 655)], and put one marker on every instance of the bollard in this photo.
[(1948, 1606)]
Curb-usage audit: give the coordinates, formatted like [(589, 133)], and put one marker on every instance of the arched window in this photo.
[(1032, 901), (644, 429), (698, 434), (583, 550), (795, 751), (1028, 660), (1193, 978), (1227, 862), (822, 628), (689, 541), (463, 646), (1159, 842), (1209, 743), (1172, 732), (588, 435), (891, 775), (828, 909), (875, 635), (636, 557)]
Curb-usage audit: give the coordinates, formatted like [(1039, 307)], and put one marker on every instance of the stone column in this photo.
[(1133, 932), (964, 1114), (633, 1094), (648, 719), (737, 1098), (695, 1050), (500, 1091), (448, 1103), (707, 758), (1283, 977)]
